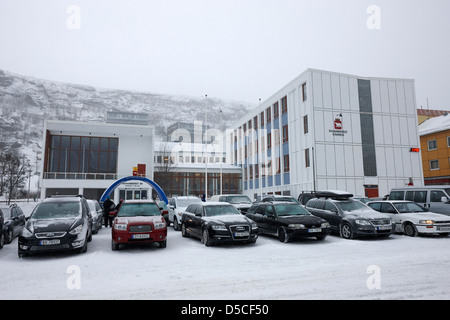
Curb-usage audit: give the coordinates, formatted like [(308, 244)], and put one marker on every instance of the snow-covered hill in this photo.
[(25, 102)]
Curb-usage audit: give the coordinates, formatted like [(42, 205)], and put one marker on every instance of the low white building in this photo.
[(327, 130), (87, 157)]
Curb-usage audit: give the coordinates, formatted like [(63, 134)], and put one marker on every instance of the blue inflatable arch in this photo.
[(159, 191)]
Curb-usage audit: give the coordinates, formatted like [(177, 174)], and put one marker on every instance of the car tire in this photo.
[(410, 230), (163, 244), (321, 238), (176, 225), (205, 237), (184, 232), (282, 235), (346, 231), (2, 239), (114, 246), (9, 237)]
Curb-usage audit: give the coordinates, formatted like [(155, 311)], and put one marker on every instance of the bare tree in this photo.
[(164, 168), (13, 169)]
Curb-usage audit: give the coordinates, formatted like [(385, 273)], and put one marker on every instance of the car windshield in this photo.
[(351, 205), (6, 212), (287, 199), (57, 210), (138, 209), (238, 199), (220, 210), (186, 202), (408, 207), (290, 210)]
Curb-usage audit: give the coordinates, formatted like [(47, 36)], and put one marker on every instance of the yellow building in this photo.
[(435, 146)]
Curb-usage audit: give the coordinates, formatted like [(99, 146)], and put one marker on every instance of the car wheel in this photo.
[(163, 244), (410, 230), (83, 249), (2, 240), (184, 232), (346, 231), (282, 235), (176, 225), (114, 246), (205, 237), (9, 237)]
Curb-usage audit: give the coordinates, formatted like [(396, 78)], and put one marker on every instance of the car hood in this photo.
[(228, 219), (303, 219), (367, 214), (139, 220), (242, 205), (50, 225)]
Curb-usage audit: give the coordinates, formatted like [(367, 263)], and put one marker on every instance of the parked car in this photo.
[(412, 219), (270, 198), (349, 217), (287, 220), (215, 222), (305, 196), (240, 201), (14, 220), (57, 224), (97, 215), (164, 208), (138, 222), (435, 198), (177, 205), (2, 234)]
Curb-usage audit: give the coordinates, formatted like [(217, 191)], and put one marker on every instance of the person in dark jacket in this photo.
[(108, 206)]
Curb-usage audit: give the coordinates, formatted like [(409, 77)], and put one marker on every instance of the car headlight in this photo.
[(120, 227), (325, 225), (363, 222), (426, 221), (219, 227), (76, 230), (296, 226), (159, 225), (26, 233)]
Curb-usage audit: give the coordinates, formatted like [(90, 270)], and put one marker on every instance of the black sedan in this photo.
[(215, 222), (14, 220), (287, 221), (57, 224)]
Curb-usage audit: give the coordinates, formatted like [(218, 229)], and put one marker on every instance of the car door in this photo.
[(389, 209), (188, 217), (270, 219), (332, 215), (435, 203)]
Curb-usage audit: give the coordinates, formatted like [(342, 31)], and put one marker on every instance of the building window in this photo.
[(307, 162), (448, 141), (284, 105), (262, 119), (285, 134), (434, 164), (305, 125), (268, 115), (277, 166), (286, 163), (255, 123), (269, 140), (304, 97), (256, 170), (432, 145), (275, 110)]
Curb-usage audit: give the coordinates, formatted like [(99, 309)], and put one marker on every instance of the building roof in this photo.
[(431, 113), (433, 125)]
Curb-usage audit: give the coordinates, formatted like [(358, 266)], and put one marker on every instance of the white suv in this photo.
[(177, 205)]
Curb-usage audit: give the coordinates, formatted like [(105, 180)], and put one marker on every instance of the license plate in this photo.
[(49, 242), (241, 234), (384, 228), (444, 228), (315, 230), (140, 236)]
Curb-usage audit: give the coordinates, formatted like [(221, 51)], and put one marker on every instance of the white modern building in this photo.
[(87, 157), (327, 130)]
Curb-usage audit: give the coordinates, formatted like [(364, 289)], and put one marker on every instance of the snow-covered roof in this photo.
[(433, 125)]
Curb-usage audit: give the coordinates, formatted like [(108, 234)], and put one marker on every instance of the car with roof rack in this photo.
[(287, 221), (412, 219), (349, 217), (58, 223)]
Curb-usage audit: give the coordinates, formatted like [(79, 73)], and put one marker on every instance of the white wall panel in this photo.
[(321, 164), (385, 108), (349, 161), (357, 155), (317, 88), (401, 97), (354, 96), (345, 93), (381, 162), (326, 90), (413, 132), (330, 159), (387, 131), (398, 162), (395, 126), (339, 160), (392, 97), (390, 168), (376, 100), (403, 128), (356, 128), (410, 98), (335, 92), (378, 129), (317, 125)]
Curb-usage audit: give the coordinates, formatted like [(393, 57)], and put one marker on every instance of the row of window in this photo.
[(434, 164), (432, 144)]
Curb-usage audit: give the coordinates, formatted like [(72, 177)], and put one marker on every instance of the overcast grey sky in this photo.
[(232, 49)]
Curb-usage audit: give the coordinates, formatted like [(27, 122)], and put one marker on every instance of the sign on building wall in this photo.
[(127, 118)]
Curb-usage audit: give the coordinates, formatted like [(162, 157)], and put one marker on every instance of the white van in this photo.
[(434, 198), (240, 201)]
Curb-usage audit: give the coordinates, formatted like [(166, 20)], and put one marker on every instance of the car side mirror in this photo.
[(444, 199)]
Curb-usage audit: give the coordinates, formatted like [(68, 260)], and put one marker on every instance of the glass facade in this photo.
[(76, 157)]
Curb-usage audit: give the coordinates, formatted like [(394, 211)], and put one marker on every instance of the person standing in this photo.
[(108, 206)]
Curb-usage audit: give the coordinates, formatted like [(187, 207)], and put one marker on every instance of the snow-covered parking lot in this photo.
[(395, 268)]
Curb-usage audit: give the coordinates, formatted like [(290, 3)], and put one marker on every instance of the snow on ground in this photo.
[(408, 268)]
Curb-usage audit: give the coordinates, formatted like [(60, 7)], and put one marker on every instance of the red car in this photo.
[(139, 221)]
